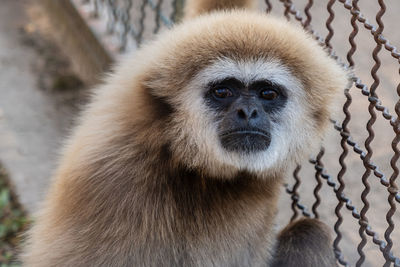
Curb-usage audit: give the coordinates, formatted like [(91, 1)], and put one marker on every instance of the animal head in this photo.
[(240, 91)]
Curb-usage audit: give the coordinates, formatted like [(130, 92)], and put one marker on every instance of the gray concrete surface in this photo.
[(33, 120)]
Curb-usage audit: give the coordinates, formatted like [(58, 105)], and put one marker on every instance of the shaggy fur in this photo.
[(304, 243), (194, 8), (143, 180)]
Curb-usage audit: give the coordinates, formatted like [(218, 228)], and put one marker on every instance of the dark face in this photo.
[(245, 112)]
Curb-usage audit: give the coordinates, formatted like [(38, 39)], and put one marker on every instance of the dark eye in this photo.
[(222, 92), (269, 94)]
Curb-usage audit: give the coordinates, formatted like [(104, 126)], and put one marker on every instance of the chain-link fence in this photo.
[(362, 156), (124, 24)]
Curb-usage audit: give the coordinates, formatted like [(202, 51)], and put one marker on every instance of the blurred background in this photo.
[(54, 52)]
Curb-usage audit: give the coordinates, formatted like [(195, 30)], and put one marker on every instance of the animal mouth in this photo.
[(245, 140), (252, 131)]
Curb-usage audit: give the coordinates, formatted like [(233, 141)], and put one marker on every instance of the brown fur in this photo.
[(305, 242), (135, 188)]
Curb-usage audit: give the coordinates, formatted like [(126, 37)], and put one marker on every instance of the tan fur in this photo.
[(136, 187), (194, 8)]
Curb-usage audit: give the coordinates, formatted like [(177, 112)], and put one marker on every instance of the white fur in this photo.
[(288, 137)]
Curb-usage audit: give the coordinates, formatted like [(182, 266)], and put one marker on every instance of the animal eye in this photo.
[(269, 94), (222, 92)]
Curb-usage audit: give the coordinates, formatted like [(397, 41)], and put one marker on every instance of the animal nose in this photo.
[(247, 113)]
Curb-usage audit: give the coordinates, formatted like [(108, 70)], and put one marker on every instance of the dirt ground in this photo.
[(38, 105)]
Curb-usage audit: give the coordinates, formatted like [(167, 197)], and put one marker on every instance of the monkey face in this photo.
[(250, 110), (245, 92), (244, 111)]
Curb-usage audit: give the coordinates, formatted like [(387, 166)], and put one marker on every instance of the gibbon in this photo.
[(180, 156)]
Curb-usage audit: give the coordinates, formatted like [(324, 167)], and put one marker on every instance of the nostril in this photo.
[(247, 114), (254, 114), (242, 114)]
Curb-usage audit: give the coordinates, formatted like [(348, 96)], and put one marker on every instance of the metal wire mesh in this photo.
[(374, 106), (122, 25)]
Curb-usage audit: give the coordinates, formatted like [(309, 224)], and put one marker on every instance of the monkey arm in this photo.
[(305, 242)]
